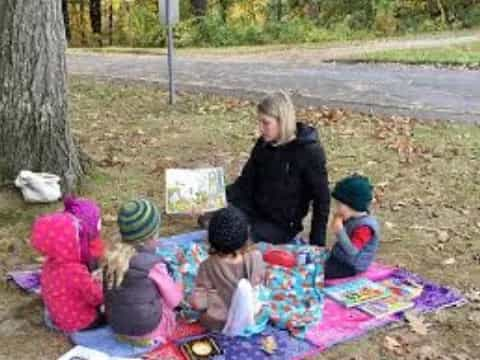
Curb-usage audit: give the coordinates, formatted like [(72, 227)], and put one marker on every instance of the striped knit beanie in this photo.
[(138, 220)]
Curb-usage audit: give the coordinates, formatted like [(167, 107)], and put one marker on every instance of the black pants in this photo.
[(260, 230), (335, 269), (264, 231)]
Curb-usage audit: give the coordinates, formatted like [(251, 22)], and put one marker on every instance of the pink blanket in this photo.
[(340, 324)]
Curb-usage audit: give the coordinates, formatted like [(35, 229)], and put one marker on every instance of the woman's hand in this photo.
[(195, 212)]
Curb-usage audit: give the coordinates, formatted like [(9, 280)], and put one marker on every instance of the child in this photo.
[(89, 216), (225, 281), (71, 295), (140, 294), (356, 231)]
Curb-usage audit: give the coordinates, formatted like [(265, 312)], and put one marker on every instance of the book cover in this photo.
[(201, 190), (357, 292), (403, 288), (388, 306)]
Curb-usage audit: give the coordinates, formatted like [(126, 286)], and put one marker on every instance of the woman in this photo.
[(285, 173)]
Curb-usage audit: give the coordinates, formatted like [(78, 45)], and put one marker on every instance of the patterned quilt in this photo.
[(295, 298)]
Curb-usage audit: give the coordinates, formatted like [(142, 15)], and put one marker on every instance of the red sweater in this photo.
[(361, 236)]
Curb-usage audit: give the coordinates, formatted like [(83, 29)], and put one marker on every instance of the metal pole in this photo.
[(171, 87)]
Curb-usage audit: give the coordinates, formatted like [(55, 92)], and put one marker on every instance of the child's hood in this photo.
[(57, 237)]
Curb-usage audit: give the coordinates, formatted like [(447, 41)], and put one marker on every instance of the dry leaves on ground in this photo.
[(416, 324)]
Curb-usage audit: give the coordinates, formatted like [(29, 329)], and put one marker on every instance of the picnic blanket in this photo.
[(293, 300), (341, 324), (28, 280), (103, 339), (338, 324), (243, 348)]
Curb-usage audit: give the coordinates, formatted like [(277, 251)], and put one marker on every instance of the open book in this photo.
[(357, 292), (402, 294), (200, 190), (388, 306), (84, 353)]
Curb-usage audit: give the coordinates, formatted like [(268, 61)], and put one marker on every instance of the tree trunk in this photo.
[(83, 35), (96, 16), (443, 13), (66, 19), (110, 22), (199, 7), (34, 129), (224, 5)]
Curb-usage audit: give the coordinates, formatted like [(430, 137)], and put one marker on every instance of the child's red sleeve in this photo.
[(361, 236)]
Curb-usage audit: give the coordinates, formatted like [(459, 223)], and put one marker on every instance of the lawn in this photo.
[(428, 192), (467, 55), (368, 43)]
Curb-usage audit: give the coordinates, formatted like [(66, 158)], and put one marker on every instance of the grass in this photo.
[(260, 49), (460, 55), (427, 178)]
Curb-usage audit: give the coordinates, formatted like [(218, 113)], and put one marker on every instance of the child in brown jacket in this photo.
[(225, 283)]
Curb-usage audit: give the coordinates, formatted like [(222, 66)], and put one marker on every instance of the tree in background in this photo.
[(199, 7), (66, 19), (34, 128), (96, 16)]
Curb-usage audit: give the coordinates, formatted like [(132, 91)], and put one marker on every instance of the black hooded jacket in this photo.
[(278, 184)]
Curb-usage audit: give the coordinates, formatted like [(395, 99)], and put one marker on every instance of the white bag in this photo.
[(241, 314), (39, 187)]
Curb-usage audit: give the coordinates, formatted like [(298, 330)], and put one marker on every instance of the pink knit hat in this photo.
[(88, 214)]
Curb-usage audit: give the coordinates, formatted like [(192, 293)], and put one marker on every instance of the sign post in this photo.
[(169, 15)]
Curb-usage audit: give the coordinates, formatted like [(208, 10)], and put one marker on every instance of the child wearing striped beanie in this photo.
[(140, 295)]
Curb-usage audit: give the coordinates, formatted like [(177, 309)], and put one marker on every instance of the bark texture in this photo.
[(34, 129)]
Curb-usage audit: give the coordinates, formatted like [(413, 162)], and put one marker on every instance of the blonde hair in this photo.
[(117, 262), (279, 105)]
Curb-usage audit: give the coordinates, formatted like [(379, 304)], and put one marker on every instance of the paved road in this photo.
[(423, 92)]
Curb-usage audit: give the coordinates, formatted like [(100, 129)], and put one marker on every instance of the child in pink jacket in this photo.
[(140, 294), (89, 216), (70, 293)]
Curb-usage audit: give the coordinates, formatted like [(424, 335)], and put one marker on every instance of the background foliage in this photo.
[(135, 23)]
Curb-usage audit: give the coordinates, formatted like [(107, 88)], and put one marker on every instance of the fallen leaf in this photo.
[(389, 225), (427, 352), (416, 324), (438, 247), (460, 357), (449, 261), (443, 236), (474, 317), (392, 345), (269, 345), (473, 295), (465, 212)]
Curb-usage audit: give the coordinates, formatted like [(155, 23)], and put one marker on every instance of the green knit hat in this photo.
[(138, 220), (355, 191)]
